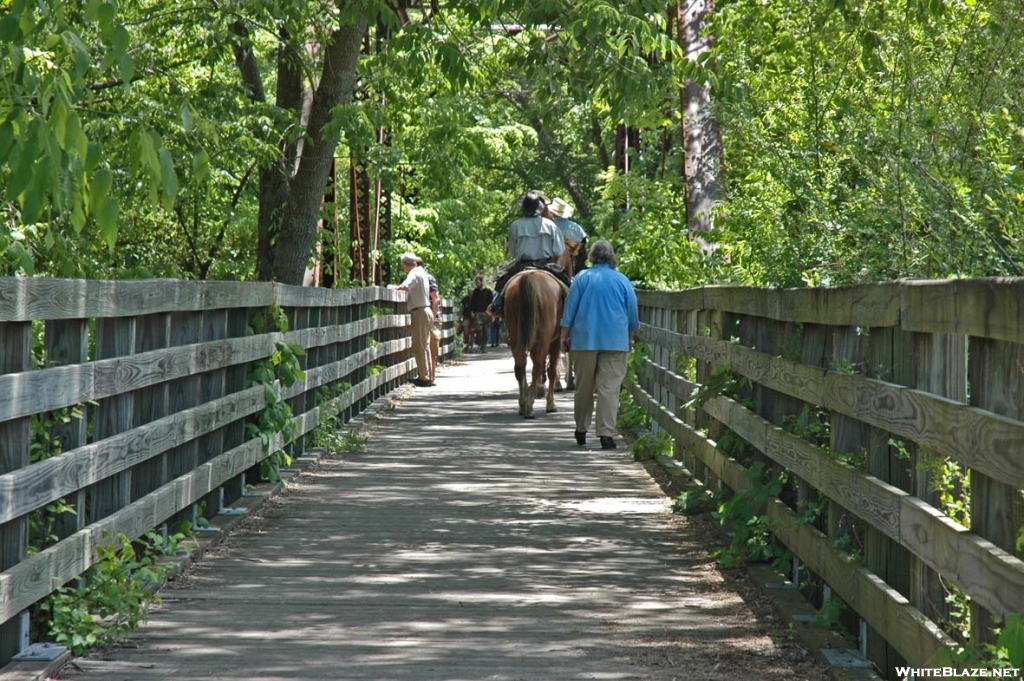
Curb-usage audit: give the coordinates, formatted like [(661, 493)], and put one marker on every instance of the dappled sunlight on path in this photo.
[(463, 543)]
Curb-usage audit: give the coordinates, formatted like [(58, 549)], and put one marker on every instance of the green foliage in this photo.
[(650, 445), (869, 142), (743, 515), (952, 481), (828, 615), (113, 596), (639, 355), (632, 418), (282, 368), (1011, 640), (722, 381), (694, 502)]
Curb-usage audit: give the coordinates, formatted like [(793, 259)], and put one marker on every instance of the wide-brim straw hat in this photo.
[(560, 208)]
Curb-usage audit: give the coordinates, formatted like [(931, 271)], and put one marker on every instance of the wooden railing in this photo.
[(128, 402), (870, 398)]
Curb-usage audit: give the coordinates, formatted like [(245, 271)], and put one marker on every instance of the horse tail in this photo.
[(529, 310)]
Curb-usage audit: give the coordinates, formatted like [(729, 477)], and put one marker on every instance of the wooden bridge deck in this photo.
[(463, 543)]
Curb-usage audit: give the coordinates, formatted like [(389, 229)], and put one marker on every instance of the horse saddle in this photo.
[(552, 269)]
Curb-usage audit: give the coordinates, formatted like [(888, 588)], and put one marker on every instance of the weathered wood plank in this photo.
[(15, 455), (67, 343), (34, 578), (214, 328), (184, 393), (152, 335), (54, 388), (984, 308), (690, 299), (115, 337), (995, 578), (940, 369), (41, 483), (978, 438), (35, 298), (862, 305), (995, 373), (58, 387), (911, 634)]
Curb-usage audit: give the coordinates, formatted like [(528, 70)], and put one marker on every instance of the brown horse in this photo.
[(533, 312)]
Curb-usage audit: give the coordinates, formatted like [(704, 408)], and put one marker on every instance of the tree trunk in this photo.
[(703, 164), (292, 190)]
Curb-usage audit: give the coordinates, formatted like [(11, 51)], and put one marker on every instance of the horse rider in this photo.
[(575, 238), (533, 241)]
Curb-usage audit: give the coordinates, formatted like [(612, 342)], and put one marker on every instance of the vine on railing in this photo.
[(282, 368)]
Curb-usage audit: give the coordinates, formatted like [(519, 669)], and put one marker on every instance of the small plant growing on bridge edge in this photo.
[(113, 594), (650, 445), (694, 502)]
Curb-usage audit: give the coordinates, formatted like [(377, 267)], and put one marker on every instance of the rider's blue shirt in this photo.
[(601, 310)]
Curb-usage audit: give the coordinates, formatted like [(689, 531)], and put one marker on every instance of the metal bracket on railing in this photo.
[(841, 657), (40, 652)]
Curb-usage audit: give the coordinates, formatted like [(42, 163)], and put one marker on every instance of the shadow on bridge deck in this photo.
[(464, 543)]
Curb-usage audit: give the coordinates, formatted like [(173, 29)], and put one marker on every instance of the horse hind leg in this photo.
[(525, 401), (552, 377)]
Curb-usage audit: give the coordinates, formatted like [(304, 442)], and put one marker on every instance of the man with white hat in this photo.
[(572, 232)]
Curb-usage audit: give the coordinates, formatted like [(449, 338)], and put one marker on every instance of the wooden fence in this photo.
[(128, 402), (897, 412)]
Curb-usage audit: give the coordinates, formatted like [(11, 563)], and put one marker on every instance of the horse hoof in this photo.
[(551, 409)]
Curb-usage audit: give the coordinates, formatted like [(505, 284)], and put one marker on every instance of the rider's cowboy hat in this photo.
[(560, 208), (533, 203)]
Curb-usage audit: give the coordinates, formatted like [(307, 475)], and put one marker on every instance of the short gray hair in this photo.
[(409, 259), (602, 253)]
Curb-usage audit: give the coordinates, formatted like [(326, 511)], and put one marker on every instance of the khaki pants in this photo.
[(422, 320), (435, 352), (599, 373)]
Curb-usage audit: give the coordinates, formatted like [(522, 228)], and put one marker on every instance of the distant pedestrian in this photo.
[(418, 304), (599, 323), (479, 300), (435, 330)]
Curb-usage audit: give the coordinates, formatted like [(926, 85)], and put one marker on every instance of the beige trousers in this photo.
[(422, 320), (598, 373), (435, 351)]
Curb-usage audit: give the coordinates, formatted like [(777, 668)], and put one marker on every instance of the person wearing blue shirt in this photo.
[(599, 324)]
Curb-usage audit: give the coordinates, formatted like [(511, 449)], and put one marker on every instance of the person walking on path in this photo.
[(418, 303), (599, 323), (479, 301)]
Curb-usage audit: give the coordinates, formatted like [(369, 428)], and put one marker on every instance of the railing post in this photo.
[(995, 374), (889, 359), (115, 337), (152, 332), (214, 328), (67, 343), (186, 328), (15, 441)]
